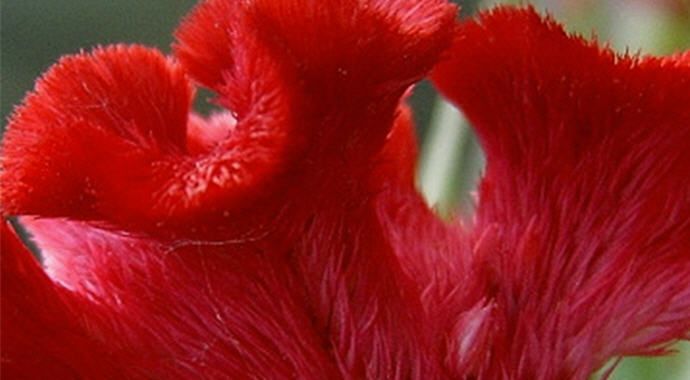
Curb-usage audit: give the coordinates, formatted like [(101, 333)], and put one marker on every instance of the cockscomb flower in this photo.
[(284, 237)]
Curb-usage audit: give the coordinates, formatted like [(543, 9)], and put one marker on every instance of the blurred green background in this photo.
[(35, 33)]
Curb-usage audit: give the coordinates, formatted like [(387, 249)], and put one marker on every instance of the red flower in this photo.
[(286, 239)]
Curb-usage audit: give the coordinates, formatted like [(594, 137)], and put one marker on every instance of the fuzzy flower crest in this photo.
[(284, 238)]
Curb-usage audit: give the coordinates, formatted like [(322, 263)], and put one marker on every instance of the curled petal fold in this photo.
[(343, 64), (327, 42), (330, 264), (586, 195), (92, 119), (105, 136), (302, 81)]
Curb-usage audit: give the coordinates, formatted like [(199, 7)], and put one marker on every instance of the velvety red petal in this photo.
[(92, 132), (169, 289), (104, 137), (348, 45), (41, 332), (346, 42), (397, 160), (190, 308), (340, 65), (343, 66), (207, 39), (584, 217)]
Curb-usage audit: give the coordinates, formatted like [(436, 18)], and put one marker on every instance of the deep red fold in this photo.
[(583, 222), (42, 331)]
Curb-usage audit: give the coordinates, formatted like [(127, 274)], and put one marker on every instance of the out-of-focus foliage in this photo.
[(35, 33)]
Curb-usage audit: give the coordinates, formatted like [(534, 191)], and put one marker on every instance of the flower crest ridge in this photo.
[(283, 237)]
